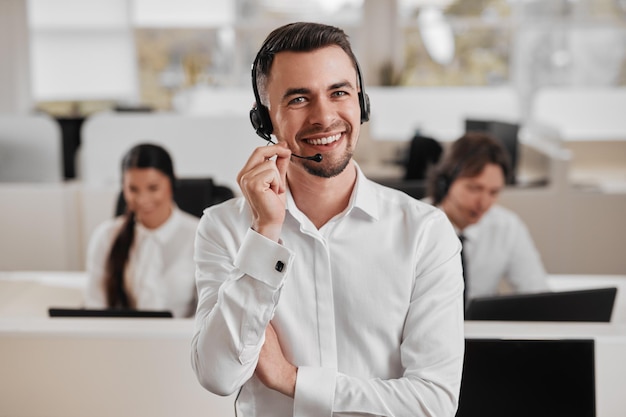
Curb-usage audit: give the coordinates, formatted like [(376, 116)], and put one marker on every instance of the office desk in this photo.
[(141, 367), (30, 293)]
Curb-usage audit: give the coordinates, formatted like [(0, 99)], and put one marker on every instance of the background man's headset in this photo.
[(260, 116)]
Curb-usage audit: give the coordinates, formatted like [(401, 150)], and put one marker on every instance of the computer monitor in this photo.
[(521, 378), (108, 313), (506, 132), (588, 305), (415, 188)]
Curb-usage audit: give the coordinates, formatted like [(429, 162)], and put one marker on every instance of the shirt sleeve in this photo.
[(525, 272), (239, 285), (97, 252), (432, 348)]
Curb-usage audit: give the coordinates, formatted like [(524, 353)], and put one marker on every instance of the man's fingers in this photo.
[(264, 153)]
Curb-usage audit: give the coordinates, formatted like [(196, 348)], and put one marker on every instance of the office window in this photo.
[(455, 43), (87, 55), (528, 43), (182, 51)]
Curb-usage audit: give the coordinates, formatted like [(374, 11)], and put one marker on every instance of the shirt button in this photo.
[(279, 266)]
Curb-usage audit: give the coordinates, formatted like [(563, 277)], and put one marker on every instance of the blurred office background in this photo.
[(101, 74)]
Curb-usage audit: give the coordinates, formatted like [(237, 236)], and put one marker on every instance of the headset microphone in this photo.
[(317, 157)]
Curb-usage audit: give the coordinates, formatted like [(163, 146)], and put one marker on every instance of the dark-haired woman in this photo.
[(144, 259)]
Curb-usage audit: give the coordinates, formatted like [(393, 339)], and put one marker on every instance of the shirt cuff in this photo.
[(264, 259), (315, 392)]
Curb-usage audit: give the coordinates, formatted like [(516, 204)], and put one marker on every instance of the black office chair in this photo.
[(424, 152), (192, 195)]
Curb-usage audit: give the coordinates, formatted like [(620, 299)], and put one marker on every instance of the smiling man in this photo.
[(322, 293), (496, 244)]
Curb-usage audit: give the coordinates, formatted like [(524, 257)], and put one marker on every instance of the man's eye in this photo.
[(339, 93), (297, 100)]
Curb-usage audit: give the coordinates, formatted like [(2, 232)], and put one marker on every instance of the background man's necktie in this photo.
[(464, 265)]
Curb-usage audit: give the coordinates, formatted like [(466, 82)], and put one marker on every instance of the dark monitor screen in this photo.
[(590, 305), (415, 188), (506, 132), (107, 313), (522, 378)]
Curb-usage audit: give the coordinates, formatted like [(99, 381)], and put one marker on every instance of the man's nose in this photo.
[(322, 112), (485, 201)]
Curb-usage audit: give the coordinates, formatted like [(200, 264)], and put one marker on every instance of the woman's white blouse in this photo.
[(160, 272)]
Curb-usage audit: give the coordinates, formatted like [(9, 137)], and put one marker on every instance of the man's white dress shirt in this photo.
[(500, 247), (369, 308), (160, 273)]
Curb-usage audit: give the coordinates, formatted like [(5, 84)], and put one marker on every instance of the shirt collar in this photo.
[(164, 232), (364, 197), (472, 231)]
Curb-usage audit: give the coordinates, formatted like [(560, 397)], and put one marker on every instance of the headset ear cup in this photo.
[(261, 122), (255, 118), (364, 101), (443, 184)]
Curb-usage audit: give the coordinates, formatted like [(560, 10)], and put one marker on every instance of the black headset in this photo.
[(444, 180), (260, 116), (442, 185)]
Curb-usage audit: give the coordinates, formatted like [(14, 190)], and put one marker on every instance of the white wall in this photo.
[(15, 62)]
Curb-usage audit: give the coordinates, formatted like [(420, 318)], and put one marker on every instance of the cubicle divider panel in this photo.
[(30, 148), (201, 146), (40, 226)]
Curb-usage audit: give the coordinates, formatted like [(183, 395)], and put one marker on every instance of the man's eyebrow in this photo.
[(295, 91), (342, 84)]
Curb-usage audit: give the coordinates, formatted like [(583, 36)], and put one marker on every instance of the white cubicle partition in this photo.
[(214, 101), (102, 368), (92, 367), (439, 112), (583, 114), (200, 145), (40, 226), (30, 148)]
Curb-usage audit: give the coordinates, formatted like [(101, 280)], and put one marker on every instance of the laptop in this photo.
[(107, 313), (522, 378), (588, 305)]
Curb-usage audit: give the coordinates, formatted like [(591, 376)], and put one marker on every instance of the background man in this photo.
[(497, 246)]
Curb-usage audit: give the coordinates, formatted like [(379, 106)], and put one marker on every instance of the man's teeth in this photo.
[(325, 141)]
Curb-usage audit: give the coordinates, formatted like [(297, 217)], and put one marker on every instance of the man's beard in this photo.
[(331, 168)]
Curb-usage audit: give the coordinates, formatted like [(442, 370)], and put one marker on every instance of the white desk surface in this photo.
[(30, 293)]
